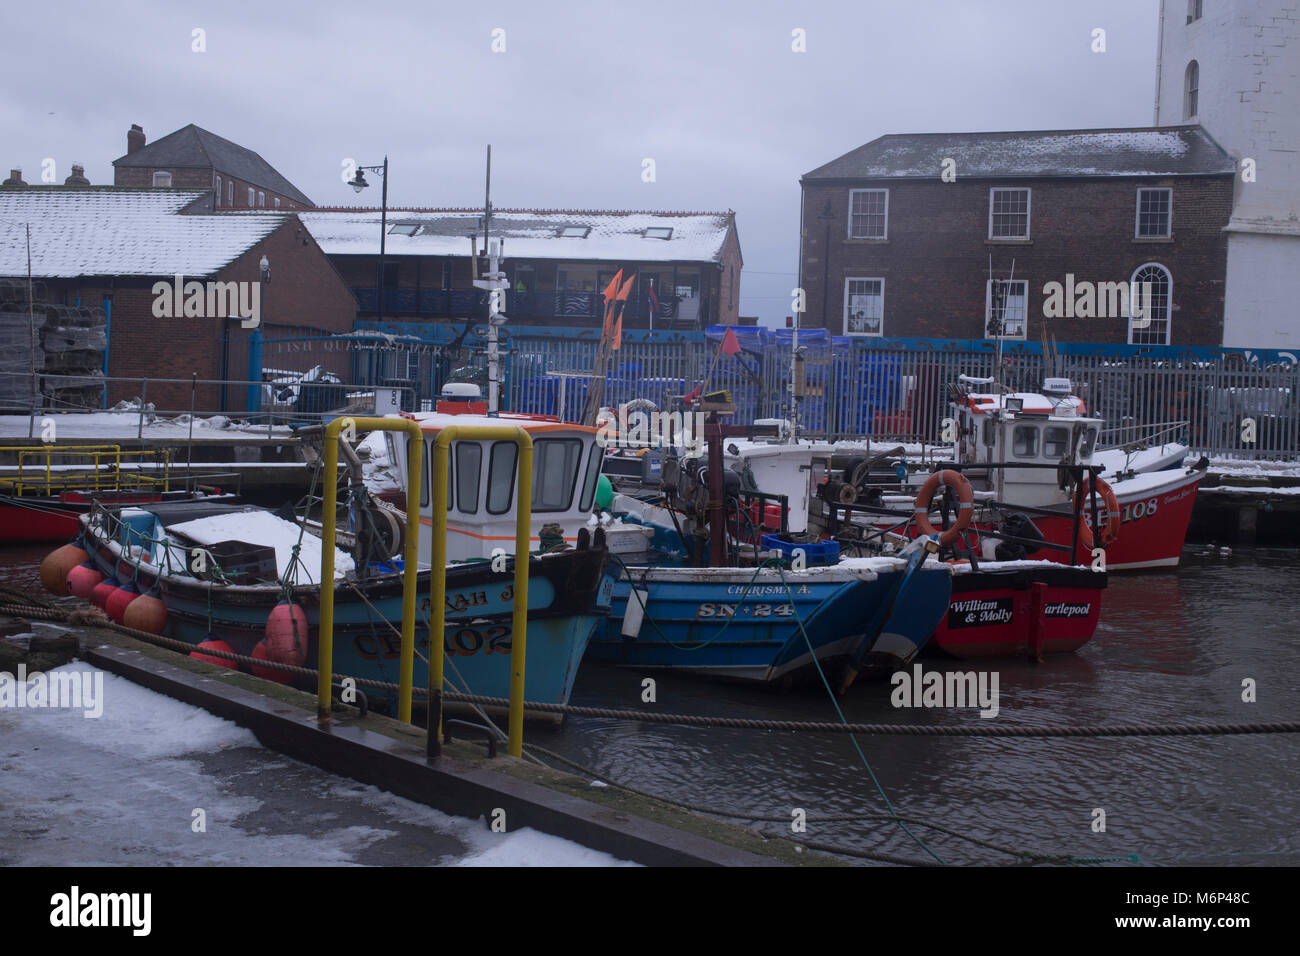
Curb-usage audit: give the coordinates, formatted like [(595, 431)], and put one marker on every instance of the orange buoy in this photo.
[(280, 677), (146, 613), (57, 564), (102, 591), (120, 600), (965, 504), (82, 580), (286, 634), (219, 661)]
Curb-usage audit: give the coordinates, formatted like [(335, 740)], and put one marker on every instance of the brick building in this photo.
[(918, 235), (108, 247), (193, 158), (558, 262)]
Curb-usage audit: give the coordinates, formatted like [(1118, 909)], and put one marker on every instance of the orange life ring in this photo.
[(965, 507), (1110, 530)]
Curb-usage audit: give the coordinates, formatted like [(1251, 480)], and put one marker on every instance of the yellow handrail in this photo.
[(103, 470), (438, 574), (410, 556)]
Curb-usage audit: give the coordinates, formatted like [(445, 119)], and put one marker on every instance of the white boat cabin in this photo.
[(481, 493), (1051, 427)]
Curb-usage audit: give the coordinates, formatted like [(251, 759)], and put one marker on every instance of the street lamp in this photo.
[(358, 183)]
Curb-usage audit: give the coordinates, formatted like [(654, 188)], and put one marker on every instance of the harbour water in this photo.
[(1172, 648)]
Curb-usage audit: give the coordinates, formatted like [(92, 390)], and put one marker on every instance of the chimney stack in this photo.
[(15, 178), (134, 138), (78, 177)]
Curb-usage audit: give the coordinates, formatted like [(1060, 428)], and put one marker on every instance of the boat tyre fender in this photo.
[(965, 504), (1110, 528)]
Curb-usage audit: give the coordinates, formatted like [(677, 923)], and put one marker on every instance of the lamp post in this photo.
[(358, 183)]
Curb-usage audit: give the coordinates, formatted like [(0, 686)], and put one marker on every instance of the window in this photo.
[(162, 179), (404, 229), (230, 193), (252, 193), (589, 483), (864, 306), (1008, 213), (501, 477), (261, 198), (868, 213), (1024, 441), (1191, 88), (1006, 308), (1153, 327), (277, 202), (1086, 443), (555, 470), (469, 460), (659, 232), (574, 232), (1153, 213), (1193, 10), (1056, 442), (218, 190), (428, 470)]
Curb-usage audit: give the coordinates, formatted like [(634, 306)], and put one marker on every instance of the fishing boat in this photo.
[(237, 577), (48, 487)]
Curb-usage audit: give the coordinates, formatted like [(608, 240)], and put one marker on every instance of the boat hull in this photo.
[(702, 620), (1020, 611)]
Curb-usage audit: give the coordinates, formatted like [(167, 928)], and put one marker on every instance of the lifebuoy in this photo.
[(1110, 530), (965, 507)]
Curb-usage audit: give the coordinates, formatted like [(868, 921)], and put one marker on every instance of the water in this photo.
[(1172, 648)]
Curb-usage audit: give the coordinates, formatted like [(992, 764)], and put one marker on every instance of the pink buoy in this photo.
[(266, 673), (219, 661), (286, 634), (120, 600), (82, 581)]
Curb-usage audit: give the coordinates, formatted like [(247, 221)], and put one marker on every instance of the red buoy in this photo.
[(82, 580), (120, 600), (146, 613), (219, 661), (260, 653), (57, 564), (286, 634), (102, 591)]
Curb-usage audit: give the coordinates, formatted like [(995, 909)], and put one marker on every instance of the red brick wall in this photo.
[(204, 178), (936, 257)]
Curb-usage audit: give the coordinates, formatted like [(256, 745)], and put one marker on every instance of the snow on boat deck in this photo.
[(265, 528), (123, 790)]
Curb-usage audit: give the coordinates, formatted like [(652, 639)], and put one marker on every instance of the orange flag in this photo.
[(611, 291), (621, 301)]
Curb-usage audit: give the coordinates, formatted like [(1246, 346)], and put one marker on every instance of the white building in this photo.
[(1234, 67)]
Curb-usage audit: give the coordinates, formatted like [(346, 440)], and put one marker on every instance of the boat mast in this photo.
[(494, 282)]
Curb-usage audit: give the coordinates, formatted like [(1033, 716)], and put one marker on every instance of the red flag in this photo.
[(730, 344)]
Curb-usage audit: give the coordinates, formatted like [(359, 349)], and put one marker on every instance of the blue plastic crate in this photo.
[(822, 552)]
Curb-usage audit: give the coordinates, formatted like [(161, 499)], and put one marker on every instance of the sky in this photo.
[(574, 97)]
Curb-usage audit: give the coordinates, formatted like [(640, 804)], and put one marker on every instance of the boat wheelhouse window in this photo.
[(1024, 441), (469, 462), (555, 470), (1087, 443), (428, 470), (594, 461), (501, 477), (1056, 441)]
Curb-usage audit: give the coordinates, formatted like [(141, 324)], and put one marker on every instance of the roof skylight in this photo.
[(659, 232), (574, 232)]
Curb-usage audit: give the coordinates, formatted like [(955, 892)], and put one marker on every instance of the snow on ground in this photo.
[(125, 424), (1237, 466), (265, 528), (123, 790)]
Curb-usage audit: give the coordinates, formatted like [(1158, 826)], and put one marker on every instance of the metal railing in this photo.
[(97, 468)]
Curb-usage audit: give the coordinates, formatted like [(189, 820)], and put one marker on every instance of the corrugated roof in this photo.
[(618, 236), (194, 147), (107, 230), (1045, 154)]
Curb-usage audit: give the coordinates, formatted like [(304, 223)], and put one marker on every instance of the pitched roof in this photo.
[(109, 230), (1044, 154), (619, 236), (192, 146)]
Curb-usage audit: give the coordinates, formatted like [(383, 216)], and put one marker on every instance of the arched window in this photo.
[(1151, 291), (218, 190), (1191, 88)]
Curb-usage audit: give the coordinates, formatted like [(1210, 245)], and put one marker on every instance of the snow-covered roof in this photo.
[(527, 234), (93, 231), (1047, 154)]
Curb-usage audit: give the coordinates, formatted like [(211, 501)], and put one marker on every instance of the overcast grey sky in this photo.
[(583, 92)]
